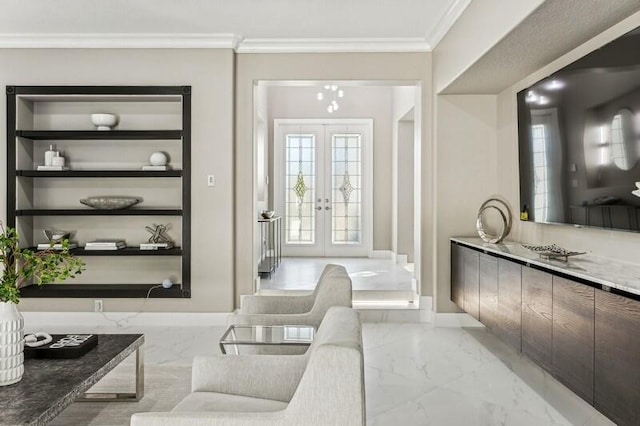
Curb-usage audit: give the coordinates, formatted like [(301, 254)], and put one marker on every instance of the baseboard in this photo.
[(426, 308), (455, 320), (402, 259), (40, 321), (381, 254)]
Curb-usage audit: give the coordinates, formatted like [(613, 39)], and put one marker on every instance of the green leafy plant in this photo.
[(22, 266)]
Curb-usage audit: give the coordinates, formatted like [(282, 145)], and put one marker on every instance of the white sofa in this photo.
[(333, 289), (325, 386)]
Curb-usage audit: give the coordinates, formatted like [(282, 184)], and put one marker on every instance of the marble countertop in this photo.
[(605, 271)]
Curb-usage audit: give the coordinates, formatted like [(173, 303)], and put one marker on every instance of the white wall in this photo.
[(480, 27), (466, 174), (210, 73), (405, 133), (462, 184), (358, 102), (251, 68)]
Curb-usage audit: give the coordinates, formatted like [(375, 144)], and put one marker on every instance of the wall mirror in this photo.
[(623, 142)]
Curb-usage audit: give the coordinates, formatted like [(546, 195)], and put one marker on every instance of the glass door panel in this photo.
[(346, 178), (300, 193)]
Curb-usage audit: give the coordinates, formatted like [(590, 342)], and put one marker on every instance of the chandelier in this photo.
[(330, 93)]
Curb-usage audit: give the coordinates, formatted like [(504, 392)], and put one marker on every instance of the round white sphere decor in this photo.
[(158, 159)]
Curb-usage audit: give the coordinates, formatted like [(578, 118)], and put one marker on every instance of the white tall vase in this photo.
[(11, 344)]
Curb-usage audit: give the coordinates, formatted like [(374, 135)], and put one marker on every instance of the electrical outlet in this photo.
[(98, 306), (211, 180)]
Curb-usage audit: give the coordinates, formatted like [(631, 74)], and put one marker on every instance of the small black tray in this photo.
[(46, 351)]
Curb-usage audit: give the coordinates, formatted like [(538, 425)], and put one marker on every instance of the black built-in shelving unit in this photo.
[(182, 135)]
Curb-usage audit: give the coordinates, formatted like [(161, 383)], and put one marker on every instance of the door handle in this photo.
[(318, 208), (327, 208)]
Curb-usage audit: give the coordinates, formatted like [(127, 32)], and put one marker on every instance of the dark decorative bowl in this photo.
[(110, 203), (268, 214)]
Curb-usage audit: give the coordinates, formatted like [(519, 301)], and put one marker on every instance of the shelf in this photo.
[(99, 173), (129, 251), (87, 212), (99, 135), (23, 178), (103, 291)]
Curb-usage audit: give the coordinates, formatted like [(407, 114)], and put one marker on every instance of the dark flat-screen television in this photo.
[(579, 141)]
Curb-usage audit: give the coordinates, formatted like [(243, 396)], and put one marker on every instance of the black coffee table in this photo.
[(51, 385)]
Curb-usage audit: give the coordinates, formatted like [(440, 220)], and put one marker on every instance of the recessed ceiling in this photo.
[(277, 20), (552, 30)]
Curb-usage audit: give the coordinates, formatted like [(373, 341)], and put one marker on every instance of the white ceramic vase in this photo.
[(11, 344)]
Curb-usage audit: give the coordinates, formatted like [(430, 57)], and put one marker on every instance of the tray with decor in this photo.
[(552, 251), (63, 346)]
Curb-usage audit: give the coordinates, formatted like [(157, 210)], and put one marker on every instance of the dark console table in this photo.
[(50, 385), (579, 320)]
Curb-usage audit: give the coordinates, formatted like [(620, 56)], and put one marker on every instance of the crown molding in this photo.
[(446, 22), (332, 45), (210, 41), (119, 41)]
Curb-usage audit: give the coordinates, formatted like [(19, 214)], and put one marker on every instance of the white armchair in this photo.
[(323, 387), (333, 289)]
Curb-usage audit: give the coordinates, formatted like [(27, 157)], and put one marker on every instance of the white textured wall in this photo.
[(210, 73), (479, 28)]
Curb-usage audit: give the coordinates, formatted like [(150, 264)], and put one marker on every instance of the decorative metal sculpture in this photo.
[(158, 233), (506, 220)]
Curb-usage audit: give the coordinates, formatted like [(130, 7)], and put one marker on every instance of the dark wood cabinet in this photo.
[(472, 283), (573, 336), (509, 302), (617, 357), (488, 291), (588, 338), (457, 275), (537, 316)]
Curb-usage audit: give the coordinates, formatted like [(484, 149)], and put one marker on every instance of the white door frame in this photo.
[(367, 163)]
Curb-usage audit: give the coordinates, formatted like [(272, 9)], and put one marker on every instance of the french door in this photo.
[(323, 186)]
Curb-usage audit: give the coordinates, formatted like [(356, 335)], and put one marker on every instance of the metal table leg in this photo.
[(124, 396)]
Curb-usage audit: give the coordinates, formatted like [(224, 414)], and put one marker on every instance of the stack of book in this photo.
[(58, 246), (105, 244), (155, 168), (52, 168), (156, 246)]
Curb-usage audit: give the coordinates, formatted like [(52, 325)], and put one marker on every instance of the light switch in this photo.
[(211, 180)]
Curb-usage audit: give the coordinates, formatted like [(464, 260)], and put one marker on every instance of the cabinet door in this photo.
[(488, 290), (509, 302), (472, 283), (457, 275), (573, 336), (537, 320), (617, 362)]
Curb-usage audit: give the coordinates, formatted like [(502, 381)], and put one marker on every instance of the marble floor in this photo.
[(302, 273), (415, 374)]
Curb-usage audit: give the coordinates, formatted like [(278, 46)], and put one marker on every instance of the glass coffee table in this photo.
[(266, 335)]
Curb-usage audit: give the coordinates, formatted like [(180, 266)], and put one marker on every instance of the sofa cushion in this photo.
[(222, 402)]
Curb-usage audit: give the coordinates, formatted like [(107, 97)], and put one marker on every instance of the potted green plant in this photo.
[(21, 267)]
